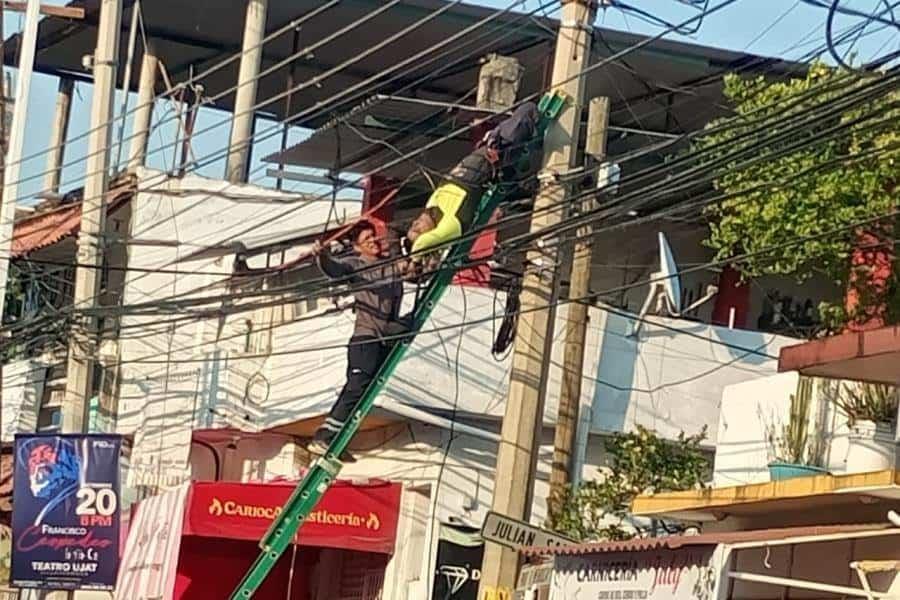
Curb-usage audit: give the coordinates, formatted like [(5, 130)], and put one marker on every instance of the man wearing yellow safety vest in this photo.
[(451, 208)]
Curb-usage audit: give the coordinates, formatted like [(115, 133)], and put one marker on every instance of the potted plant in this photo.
[(871, 410), (789, 443)]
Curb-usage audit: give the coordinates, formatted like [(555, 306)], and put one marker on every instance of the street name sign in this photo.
[(515, 534)]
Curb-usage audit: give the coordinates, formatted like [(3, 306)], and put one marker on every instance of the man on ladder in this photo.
[(378, 297), (324, 471), (451, 208)]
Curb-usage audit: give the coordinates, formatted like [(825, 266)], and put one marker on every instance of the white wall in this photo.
[(671, 376), (742, 452), (751, 408), (172, 377), (23, 388)]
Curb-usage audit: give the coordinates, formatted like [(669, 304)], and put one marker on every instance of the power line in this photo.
[(281, 290)]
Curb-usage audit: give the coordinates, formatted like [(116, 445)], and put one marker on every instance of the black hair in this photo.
[(434, 213), (359, 228)]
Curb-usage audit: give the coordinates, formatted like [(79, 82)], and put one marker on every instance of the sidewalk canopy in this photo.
[(806, 498), (870, 356)]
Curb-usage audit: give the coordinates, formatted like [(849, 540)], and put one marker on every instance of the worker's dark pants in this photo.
[(365, 354)]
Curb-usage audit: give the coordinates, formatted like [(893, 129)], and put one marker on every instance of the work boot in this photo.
[(319, 447)]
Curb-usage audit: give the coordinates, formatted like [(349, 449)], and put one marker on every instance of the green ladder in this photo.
[(324, 471)]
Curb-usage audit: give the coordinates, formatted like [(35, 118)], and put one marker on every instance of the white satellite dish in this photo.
[(669, 271), (665, 288)]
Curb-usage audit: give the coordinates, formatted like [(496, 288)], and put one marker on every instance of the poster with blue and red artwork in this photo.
[(65, 517)]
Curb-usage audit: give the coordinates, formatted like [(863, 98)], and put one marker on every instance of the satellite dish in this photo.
[(665, 288), (669, 270)]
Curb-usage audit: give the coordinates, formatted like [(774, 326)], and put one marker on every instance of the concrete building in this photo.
[(205, 389)]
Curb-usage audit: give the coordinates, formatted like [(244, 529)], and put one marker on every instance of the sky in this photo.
[(781, 28)]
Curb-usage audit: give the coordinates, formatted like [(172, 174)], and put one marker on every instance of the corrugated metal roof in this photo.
[(188, 41), (703, 539), (47, 228), (380, 130)]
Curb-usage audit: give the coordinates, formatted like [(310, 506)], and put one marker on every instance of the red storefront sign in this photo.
[(353, 517)]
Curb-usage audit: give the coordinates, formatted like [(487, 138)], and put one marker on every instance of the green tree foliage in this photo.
[(812, 181), (640, 462)]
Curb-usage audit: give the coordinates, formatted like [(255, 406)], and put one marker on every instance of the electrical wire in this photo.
[(192, 79), (688, 175), (591, 297), (318, 79), (478, 24), (453, 414)]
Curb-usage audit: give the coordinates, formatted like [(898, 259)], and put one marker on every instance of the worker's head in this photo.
[(365, 240), (426, 221)]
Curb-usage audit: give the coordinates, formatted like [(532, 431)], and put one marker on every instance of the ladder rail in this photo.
[(324, 471)]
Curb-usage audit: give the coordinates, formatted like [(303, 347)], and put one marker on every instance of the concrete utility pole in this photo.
[(245, 97), (143, 111), (12, 147), (16, 142), (91, 244), (517, 454), (576, 320), (58, 133)]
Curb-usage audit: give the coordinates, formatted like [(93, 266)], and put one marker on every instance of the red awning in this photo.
[(350, 516)]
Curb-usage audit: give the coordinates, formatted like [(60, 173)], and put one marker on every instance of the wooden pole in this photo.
[(576, 323)]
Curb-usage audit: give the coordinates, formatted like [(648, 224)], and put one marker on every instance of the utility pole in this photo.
[(245, 97), (143, 111), (522, 422), (576, 320), (91, 242), (58, 133), (16, 142), (12, 148)]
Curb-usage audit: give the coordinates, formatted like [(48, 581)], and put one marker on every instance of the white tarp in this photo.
[(150, 560)]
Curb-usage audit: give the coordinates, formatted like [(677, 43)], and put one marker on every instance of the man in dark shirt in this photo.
[(379, 294)]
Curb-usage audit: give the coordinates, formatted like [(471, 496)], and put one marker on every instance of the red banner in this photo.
[(353, 517)]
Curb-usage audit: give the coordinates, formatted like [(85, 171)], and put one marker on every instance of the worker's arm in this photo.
[(447, 230), (333, 267)]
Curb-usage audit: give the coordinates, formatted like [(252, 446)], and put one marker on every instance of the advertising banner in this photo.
[(682, 574), (458, 569), (352, 517), (66, 511)]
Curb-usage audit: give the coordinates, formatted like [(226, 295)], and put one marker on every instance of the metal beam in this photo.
[(310, 178), (804, 584), (65, 12)]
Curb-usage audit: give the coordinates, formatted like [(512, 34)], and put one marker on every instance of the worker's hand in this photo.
[(433, 262), (412, 270), (317, 248)]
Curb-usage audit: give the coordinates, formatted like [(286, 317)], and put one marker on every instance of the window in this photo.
[(248, 335), (257, 331), (49, 419)]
